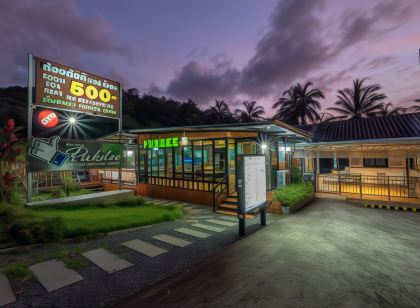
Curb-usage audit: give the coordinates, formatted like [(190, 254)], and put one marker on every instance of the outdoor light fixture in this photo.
[(72, 120), (263, 146)]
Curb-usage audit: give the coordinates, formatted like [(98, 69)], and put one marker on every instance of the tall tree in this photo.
[(359, 102), (299, 104), (220, 112), (389, 110), (251, 112)]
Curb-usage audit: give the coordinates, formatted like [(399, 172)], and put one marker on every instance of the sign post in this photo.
[(252, 194), (29, 128)]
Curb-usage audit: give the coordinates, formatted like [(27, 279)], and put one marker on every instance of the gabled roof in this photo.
[(386, 127), (274, 128)]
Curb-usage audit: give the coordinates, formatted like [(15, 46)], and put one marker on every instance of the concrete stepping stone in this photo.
[(6, 293), (159, 201), (198, 211), (192, 232), (144, 248), (222, 222), (172, 240), (54, 274), (208, 227), (230, 218), (106, 260)]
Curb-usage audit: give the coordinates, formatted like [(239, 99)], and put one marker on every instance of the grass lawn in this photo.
[(85, 220)]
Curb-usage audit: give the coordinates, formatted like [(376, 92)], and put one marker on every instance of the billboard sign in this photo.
[(62, 87), (54, 154)]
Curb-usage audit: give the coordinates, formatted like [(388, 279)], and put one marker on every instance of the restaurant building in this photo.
[(372, 158)]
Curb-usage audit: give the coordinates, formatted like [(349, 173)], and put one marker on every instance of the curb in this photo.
[(391, 207)]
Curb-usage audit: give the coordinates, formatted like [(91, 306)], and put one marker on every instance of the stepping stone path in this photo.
[(144, 248), (54, 274), (192, 232), (208, 227), (222, 222), (106, 260), (172, 240), (6, 293)]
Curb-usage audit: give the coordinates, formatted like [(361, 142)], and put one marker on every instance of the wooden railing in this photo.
[(381, 185)]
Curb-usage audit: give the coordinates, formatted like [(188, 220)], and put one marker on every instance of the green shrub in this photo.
[(295, 175), (57, 193), (29, 230), (130, 201), (292, 194), (69, 185), (16, 270)]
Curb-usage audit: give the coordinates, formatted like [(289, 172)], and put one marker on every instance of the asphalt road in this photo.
[(331, 253)]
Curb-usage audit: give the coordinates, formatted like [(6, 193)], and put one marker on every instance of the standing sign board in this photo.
[(62, 87), (251, 187)]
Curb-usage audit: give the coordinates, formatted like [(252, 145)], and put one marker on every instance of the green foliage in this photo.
[(81, 220), (295, 175), (71, 257), (69, 185), (292, 194), (16, 270), (27, 229)]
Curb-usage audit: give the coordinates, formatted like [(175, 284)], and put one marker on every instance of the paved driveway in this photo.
[(331, 253)]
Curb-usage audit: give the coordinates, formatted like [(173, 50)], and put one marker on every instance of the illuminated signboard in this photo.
[(169, 142), (251, 182), (54, 154), (62, 87)]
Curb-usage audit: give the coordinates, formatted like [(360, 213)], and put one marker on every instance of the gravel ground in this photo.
[(100, 289)]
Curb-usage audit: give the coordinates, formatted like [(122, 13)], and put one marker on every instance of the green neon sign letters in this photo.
[(170, 142)]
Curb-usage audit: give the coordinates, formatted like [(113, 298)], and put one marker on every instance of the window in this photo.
[(208, 160), (198, 160), (187, 163), (375, 162)]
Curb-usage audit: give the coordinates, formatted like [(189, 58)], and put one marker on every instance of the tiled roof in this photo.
[(397, 126)]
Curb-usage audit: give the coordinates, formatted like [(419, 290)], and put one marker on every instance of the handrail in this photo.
[(219, 183)]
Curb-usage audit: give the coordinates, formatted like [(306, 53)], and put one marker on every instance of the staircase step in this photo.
[(228, 206), (234, 194), (234, 213), (231, 200)]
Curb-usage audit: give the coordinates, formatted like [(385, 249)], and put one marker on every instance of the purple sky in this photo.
[(225, 49)]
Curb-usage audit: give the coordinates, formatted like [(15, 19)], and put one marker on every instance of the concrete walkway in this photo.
[(329, 254)]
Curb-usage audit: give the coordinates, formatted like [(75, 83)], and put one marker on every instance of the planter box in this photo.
[(302, 203), (274, 207)]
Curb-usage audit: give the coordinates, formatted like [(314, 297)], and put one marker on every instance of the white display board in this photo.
[(254, 181)]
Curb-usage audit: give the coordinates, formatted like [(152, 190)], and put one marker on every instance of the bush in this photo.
[(295, 175), (57, 193), (130, 201), (26, 229), (292, 194)]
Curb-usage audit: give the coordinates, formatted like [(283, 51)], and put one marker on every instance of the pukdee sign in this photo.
[(53, 154), (62, 87)]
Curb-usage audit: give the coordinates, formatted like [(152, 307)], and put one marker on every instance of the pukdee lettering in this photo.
[(170, 142), (74, 155), (62, 87), (82, 154)]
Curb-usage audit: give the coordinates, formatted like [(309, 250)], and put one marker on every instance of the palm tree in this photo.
[(299, 104), (360, 101), (220, 111), (390, 110), (251, 113)]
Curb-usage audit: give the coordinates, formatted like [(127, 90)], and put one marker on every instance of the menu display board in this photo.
[(251, 182), (62, 87)]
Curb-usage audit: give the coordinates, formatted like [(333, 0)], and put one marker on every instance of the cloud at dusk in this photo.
[(217, 50)]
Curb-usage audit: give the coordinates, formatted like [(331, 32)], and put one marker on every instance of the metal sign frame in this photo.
[(241, 187)]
